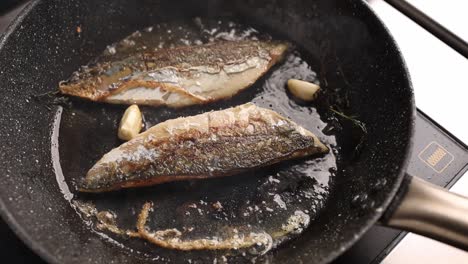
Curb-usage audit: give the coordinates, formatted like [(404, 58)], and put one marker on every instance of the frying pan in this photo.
[(43, 46)]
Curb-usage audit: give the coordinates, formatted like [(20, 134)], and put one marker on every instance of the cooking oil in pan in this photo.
[(271, 205)]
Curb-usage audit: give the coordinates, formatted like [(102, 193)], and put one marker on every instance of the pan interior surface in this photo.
[(275, 203), (355, 61)]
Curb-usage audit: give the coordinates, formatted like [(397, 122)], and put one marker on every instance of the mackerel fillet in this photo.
[(176, 77), (213, 144)]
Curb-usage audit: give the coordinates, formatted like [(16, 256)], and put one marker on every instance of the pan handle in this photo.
[(431, 211)]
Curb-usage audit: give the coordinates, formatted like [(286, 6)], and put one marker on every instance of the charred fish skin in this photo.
[(219, 143), (177, 77)]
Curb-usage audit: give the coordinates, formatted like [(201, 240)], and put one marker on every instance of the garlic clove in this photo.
[(131, 123), (303, 90)]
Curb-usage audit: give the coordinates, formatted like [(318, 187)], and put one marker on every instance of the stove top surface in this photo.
[(438, 156)]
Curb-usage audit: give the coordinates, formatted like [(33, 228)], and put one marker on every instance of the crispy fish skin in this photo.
[(219, 143), (177, 77)]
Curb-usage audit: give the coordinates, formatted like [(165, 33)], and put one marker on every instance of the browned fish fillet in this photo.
[(177, 77), (212, 144)]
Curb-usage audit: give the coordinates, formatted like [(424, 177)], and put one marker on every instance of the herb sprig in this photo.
[(361, 125)]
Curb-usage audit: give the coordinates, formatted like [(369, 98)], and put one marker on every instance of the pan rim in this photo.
[(46, 255), (408, 150), (5, 214)]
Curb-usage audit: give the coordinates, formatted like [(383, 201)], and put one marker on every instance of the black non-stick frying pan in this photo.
[(358, 64)]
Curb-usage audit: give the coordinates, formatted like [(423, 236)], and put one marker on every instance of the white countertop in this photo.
[(439, 77)]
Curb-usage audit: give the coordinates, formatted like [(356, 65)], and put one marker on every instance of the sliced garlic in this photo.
[(131, 123), (303, 90)]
